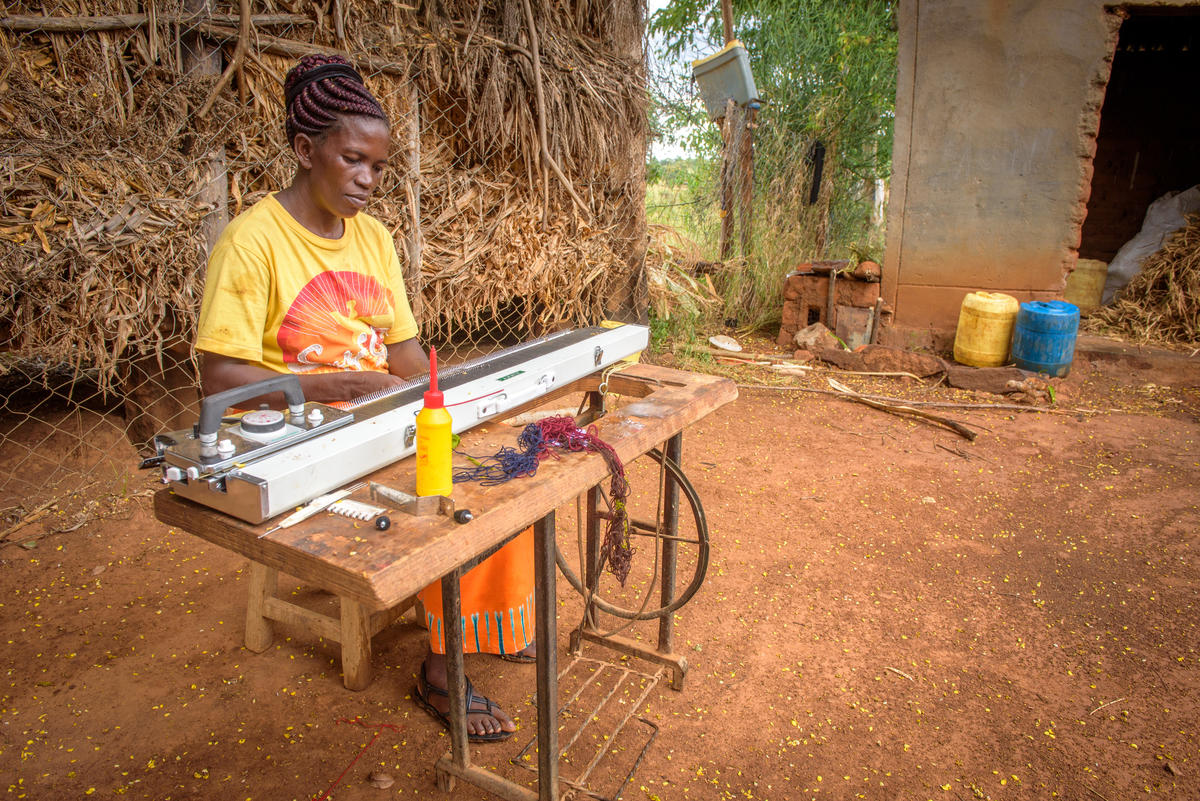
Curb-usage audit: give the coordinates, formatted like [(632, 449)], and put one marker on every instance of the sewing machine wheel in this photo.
[(649, 531)]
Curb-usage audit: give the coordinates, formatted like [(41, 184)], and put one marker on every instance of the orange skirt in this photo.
[(497, 602)]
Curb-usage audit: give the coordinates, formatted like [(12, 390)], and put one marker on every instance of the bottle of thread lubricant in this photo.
[(433, 439)]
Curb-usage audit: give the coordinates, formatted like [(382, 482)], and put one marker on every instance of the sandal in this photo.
[(422, 700), (520, 657)]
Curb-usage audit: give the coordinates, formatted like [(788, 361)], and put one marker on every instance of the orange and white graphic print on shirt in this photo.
[(337, 322)]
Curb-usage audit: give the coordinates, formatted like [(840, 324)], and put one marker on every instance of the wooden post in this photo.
[(824, 195), (729, 126), (356, 644), (263, 584), (737, 176), (544, 577), (629, 295), (737, 169), (160, 389), (727, 134), (412, 189), (199, 58), (745, 159)]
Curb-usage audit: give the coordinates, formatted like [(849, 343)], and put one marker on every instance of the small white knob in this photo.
[(193, 473), (225, 447), (315, 416), (174, 474)]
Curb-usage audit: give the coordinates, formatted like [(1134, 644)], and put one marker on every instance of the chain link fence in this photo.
[(131, 132)]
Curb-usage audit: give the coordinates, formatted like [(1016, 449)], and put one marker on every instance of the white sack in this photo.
[(1164, 217)]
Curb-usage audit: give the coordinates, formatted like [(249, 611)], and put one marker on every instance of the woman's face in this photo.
[(345, 164)]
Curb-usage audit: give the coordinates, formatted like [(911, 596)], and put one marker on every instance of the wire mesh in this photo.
[(515, 194)]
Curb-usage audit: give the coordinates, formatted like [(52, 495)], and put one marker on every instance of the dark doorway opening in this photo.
[(1149, 141)]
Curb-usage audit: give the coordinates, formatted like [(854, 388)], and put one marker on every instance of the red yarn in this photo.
[(378, 727), (561, 432), (538, 441)]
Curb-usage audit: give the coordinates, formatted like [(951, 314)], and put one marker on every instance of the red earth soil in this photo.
[(890, 612)]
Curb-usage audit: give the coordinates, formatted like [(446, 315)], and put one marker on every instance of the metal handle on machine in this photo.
[(212, 408)]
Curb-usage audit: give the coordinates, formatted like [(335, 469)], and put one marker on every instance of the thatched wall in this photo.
[(108, 168)]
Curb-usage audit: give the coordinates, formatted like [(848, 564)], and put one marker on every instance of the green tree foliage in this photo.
[(674, 172), (826, 72)]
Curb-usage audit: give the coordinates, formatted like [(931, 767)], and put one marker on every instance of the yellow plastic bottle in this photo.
[(433, 439)]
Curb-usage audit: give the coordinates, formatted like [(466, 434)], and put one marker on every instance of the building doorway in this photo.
[(1149, 125)]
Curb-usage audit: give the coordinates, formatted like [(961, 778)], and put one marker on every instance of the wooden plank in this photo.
[(481, 777), (119, 22), (263, 581), (381, 569), (381, 620), (627, 645), (356, 645), (306, 620), (308, 565), (514, 505), (321, 625)]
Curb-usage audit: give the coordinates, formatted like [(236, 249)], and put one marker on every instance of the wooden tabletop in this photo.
[(381, 568)]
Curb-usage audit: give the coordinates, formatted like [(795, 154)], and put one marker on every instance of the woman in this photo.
[(303, 283)]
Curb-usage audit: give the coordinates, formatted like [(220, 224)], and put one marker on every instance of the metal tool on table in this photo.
[(421, 505), (315, 506), (265, 462), (356, 510)]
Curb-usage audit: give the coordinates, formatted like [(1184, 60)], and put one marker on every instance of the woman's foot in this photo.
[(486, 722)]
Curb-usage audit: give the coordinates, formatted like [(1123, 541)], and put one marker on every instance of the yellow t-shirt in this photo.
[(281, 297)]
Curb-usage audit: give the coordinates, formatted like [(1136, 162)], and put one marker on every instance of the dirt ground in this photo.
[(890, 612)]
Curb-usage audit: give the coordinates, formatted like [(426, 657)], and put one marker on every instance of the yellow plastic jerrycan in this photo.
[(985, 327), (1085, 284)]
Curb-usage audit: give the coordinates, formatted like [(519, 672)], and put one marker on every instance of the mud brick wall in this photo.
[(806, 297), (997, 112)]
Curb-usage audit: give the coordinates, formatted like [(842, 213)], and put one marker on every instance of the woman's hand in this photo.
[(358, 383), (219, 373)]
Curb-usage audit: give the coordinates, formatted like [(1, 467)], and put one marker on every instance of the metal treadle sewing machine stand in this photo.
[(666, 528), (230, 479), (672, 484)]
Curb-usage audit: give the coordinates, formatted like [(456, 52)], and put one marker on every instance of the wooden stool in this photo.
[(353, 628)]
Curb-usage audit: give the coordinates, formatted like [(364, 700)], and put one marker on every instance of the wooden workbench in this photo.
[(376, 573)]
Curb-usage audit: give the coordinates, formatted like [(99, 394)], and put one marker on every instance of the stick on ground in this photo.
[(953, 425)]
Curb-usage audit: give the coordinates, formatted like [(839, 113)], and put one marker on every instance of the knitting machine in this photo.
[(258, 464)]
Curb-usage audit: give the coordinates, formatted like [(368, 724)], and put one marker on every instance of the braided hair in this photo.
[(319, 90)]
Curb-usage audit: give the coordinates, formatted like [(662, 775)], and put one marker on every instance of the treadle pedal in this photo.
[(356, 510), (596, 736)]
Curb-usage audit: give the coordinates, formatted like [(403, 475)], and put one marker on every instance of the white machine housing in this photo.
[(255, 478)]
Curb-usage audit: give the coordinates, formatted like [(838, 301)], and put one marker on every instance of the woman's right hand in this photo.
[(219, 373), (357, 383)]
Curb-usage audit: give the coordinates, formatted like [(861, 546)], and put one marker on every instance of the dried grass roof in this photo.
[(103, 161)]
